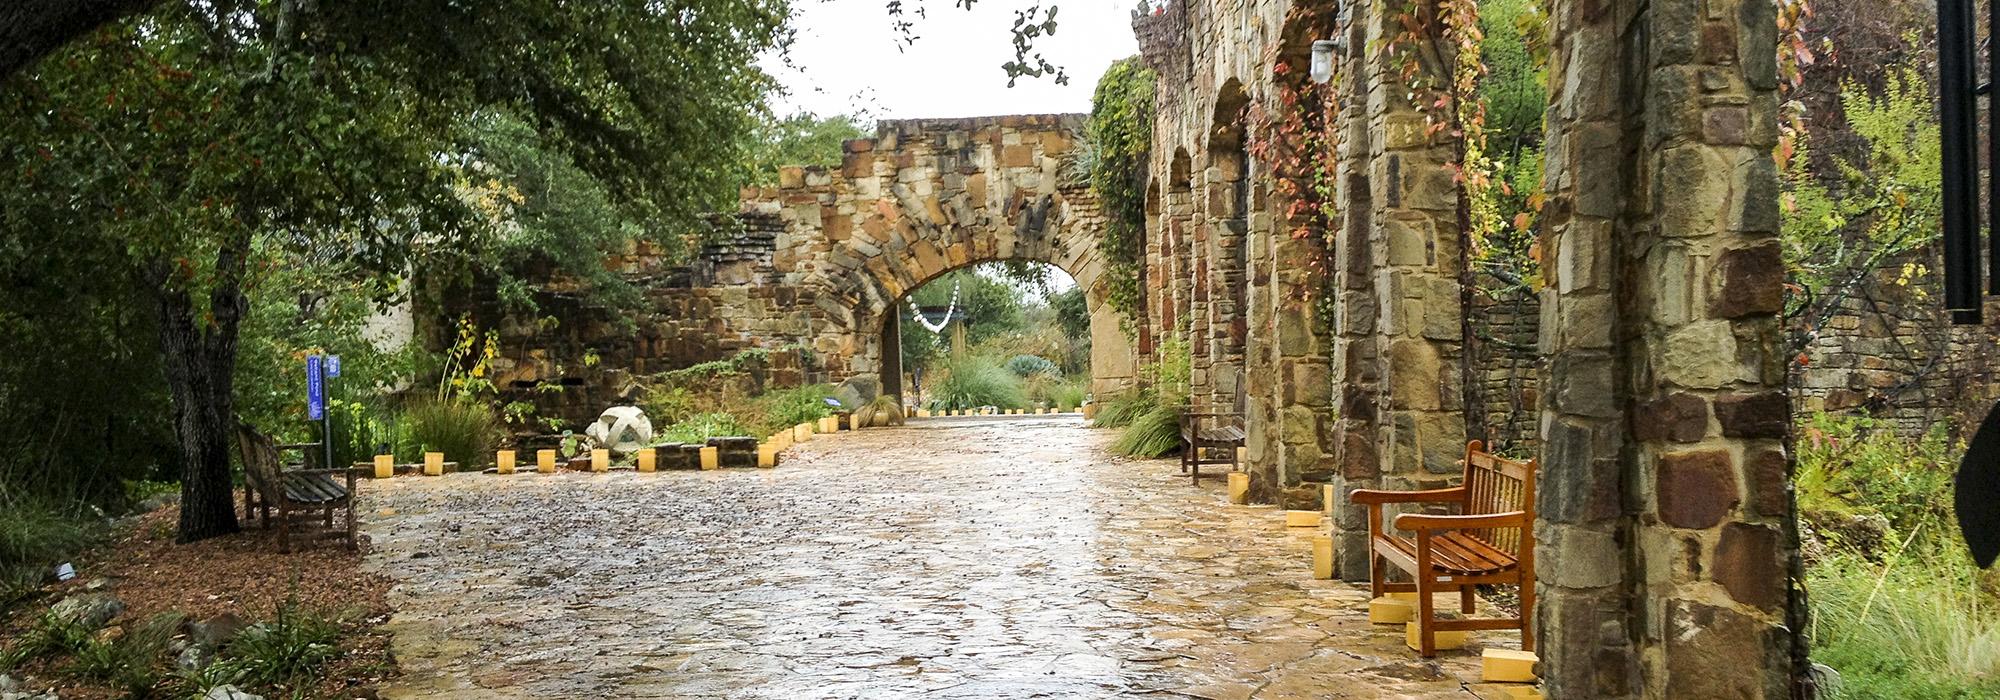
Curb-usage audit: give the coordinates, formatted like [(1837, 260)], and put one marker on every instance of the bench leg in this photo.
[(352, 546), (1527, 614), (284, 528), (1426, 626), (1465, 601)]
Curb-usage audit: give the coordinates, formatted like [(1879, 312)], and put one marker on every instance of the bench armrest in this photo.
[(1420, 521), (1455, 494)]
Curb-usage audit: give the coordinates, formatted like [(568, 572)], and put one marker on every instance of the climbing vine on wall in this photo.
[(1292, 132), (1121, 136)]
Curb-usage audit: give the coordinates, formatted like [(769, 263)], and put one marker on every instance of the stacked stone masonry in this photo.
[(1646, 375)]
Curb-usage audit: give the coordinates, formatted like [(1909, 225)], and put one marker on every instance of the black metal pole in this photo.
[(1957, 111)]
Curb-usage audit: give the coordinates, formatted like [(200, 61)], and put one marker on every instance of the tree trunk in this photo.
[(199, 351)]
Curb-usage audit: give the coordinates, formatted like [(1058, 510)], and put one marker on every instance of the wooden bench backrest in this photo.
[(261, 462), (1495, 484)]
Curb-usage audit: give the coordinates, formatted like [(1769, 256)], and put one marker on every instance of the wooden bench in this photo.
[(1490, 541), (269, 483), (1209, 430)]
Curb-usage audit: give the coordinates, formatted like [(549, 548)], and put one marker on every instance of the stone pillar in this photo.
[(1354, 354), (1415, 236), (1661, 549), (1401, 357)]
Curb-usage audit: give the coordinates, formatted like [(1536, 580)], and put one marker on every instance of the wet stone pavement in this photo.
[(1005, 557)]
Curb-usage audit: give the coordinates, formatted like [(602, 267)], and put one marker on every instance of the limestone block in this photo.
[(503, 462), (1301, 518), (1444, 640), (385, 466), (545, 461), (767, 455), (1389, 609), (1507, 666), (1523, 692), (829, 424), (649, 460), (433, 464), (1323, 558), (711, 459), (600, 460), (802, 432), (1239, 488)]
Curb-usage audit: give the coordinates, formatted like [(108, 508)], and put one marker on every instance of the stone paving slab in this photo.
[(1007, 557)]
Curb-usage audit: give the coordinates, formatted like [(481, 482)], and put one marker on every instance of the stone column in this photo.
[(1663, 482), (1354, 355), (1402, 257), (1415, 236)]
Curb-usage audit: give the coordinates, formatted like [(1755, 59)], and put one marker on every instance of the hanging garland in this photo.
[(949, 311)]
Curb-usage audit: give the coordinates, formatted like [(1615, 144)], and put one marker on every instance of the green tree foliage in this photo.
[(1515, 90), (801, 139), (1121, 137), (193, 149), (1877, 211)]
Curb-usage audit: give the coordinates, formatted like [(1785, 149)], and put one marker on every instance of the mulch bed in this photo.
[(241, 574)]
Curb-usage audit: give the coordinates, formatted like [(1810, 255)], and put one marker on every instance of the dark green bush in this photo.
[(35, 536)]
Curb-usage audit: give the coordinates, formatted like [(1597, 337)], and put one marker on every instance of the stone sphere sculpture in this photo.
[(622, 429)]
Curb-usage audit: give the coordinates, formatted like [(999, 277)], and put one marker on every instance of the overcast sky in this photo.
[(846, 58)]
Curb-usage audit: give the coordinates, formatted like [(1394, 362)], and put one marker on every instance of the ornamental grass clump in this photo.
[(1153, 434), (973, 381), (465, 431)]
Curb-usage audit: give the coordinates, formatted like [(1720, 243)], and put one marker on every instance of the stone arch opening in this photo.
[(1225, 230)]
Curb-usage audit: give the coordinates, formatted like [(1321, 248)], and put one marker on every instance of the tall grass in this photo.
[(1123, 409), (36, 534), (1916, 627), (1907, 617), (700, 427), (465, 431), (1155, 433), (973, 381)]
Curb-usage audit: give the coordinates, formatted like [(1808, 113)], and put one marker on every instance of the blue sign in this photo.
[(333, 365), (315, 389)]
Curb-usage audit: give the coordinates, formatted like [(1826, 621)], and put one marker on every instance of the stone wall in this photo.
[(820, 264), (1888, 350), (1646, 377), (1506, 323)]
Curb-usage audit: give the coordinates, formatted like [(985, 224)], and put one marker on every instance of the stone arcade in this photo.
[(1656, 405)]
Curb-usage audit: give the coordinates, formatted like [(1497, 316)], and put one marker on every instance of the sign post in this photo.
[(318, 369)]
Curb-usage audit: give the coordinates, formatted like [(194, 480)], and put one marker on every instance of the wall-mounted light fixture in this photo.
[(1322, 60)]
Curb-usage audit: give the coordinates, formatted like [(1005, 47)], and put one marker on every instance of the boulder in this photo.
[(215, 632), (88, 610), (622, 429), (858, 391), (229, 692)]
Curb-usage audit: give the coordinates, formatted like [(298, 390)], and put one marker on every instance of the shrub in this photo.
[(132, 661), (700, 427), (668, 405), (289, 649), (1855, 466), (48, 636), (785, 408), (463, 430), (1066, 394), (973, 381), (1155, 433), (1029, 365)]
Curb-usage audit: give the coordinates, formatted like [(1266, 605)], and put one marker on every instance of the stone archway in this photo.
[(928, 196)]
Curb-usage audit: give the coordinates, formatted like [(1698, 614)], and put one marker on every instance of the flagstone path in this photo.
[(1004, 557)]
